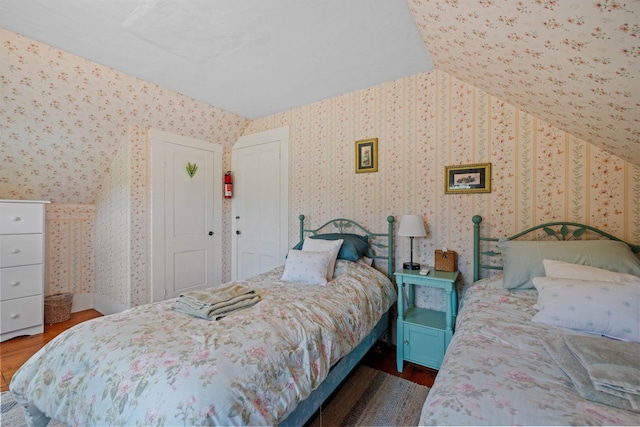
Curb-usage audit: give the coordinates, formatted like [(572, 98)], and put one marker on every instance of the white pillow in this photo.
[(567, 270), (306, 267), (320, 245), (605, 308), (523, 259)]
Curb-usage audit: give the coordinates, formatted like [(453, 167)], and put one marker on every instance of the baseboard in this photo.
[(82, 302), (106, 306)]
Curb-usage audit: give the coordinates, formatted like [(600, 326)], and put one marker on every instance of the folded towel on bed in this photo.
[(215, 312), (216, 303), (578, 374), (217, 295), (613, 366)]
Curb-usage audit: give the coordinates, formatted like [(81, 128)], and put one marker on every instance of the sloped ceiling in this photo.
[(572, 63), (252, 58)]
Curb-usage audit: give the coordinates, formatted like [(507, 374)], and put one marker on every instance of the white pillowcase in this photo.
[(599, 307), (306, 267), (554, 268), (321, 245)]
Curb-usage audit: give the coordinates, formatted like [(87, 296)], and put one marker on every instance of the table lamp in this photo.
[(411, 226)]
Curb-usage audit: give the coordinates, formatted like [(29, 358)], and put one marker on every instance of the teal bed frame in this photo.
[(559, 230), (380, 247), (343, 225)]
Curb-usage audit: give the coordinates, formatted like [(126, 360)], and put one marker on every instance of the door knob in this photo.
[(211, 233), (238, 232)]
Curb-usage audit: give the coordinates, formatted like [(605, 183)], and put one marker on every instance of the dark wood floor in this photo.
[(16, 351), (383, 358)]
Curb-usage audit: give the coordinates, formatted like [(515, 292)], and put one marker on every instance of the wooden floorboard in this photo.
[(383, 358), (16, 351)]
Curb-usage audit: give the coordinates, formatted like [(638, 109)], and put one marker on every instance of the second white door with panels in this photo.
[(260, 202)]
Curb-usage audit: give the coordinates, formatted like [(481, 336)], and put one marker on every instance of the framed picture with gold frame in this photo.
[(367, 155), (475, 178)]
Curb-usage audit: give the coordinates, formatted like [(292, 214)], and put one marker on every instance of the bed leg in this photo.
[(34, 417)]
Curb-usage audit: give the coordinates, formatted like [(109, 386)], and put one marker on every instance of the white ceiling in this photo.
[(250, 57)]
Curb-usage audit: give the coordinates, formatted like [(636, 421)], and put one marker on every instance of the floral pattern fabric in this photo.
[(497, 371), (151, 365)]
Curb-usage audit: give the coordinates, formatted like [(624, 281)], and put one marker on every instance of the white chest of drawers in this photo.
[(21, 268)]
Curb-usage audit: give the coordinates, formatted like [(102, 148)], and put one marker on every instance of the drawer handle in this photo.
[(15, 316), (16, 283), (16, 218), (15, 251)]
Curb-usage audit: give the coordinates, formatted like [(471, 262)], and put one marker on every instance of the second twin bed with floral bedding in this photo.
[(530, 343)]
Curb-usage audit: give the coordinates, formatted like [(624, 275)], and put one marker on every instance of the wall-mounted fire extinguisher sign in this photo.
[(228, 185)]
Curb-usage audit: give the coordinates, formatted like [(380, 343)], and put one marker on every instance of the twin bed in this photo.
[(498, 369), (274, 362)]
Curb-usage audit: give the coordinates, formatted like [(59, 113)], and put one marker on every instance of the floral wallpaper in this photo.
[(573, 63), (76, 133), (426, 122), (125, 203), (69, 260), (63, 119), (113, 231), (64, 137)]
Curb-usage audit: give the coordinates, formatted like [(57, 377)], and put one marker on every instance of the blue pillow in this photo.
[(353, 247)]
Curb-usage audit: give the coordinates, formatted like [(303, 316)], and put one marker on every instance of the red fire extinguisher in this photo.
[(228, 185)]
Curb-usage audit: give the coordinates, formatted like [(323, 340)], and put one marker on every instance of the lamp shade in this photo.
[(412, 226)]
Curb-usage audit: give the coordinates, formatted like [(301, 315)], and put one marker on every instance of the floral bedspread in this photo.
[(151, 365), (497, 371)]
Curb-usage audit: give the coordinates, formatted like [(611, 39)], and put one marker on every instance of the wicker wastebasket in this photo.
[(57, 308)]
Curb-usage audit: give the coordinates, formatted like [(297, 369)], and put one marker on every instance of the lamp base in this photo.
[(411, 266)]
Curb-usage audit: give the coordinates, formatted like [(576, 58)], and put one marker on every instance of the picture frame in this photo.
[(367, 155), (462, 179)]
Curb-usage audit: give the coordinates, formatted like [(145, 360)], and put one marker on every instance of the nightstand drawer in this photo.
[(424, 345)]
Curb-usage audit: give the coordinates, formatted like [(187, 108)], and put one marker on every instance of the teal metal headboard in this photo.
[(343, 225), (562, 231)]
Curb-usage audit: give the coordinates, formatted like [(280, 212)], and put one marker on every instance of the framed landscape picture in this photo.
[(475, 178)]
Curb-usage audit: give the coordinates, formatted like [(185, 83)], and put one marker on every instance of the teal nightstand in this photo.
[(423, 335)]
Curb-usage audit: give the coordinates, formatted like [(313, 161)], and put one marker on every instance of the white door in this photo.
[(260, 207), (186, 215)]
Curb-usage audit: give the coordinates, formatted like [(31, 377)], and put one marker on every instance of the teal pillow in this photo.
[(522, 260), (353, 247)]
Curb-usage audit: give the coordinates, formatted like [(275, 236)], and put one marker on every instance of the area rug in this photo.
[(367, 398), (373, 398), (11, 413)]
